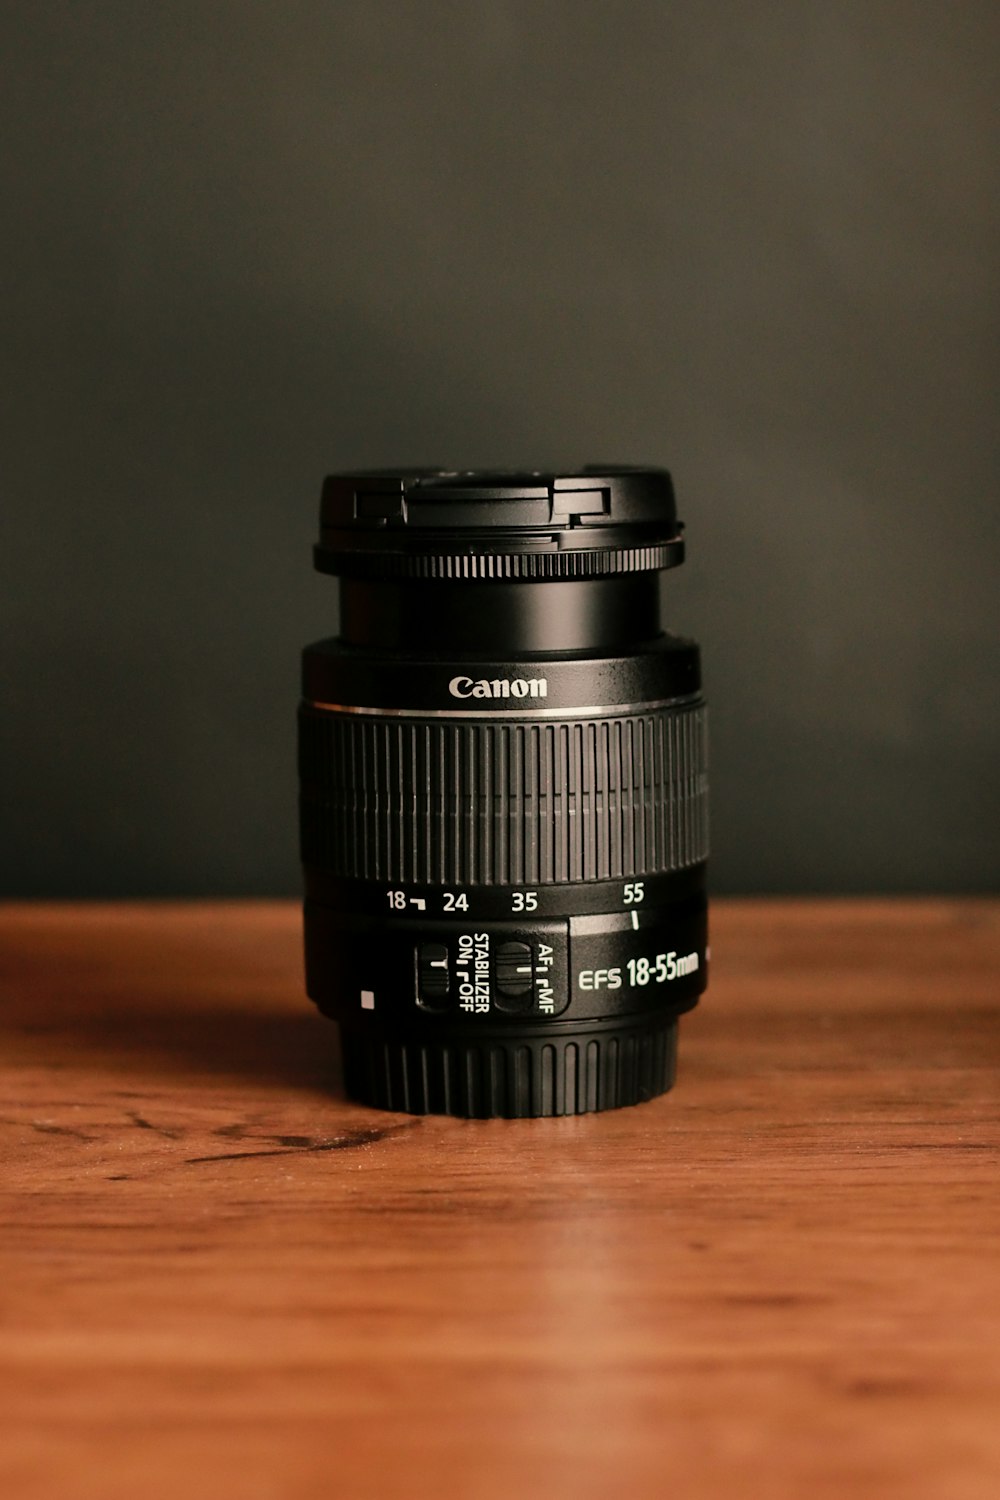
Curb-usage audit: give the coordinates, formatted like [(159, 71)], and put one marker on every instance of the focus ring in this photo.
[(597, 562), (466, 803)]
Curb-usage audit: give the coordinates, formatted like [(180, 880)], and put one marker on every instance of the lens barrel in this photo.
[(503, 792)]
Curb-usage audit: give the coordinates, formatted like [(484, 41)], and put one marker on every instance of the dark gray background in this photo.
[(252, 242)]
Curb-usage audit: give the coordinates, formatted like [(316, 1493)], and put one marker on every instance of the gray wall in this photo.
[(252, 242)]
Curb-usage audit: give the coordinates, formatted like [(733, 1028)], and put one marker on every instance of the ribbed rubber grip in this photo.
[(451, 801), (516, 1078)]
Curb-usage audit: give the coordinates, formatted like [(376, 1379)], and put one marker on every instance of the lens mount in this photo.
[(440, 524)]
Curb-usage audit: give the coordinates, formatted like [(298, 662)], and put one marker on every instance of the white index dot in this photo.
[(367, 1000)]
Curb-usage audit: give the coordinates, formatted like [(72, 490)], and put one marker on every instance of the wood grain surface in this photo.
[(219, 1278)]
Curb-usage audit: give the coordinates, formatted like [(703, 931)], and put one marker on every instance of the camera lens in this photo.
[(504, 800)]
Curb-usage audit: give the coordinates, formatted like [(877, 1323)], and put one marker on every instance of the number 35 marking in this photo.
[(524, 901)]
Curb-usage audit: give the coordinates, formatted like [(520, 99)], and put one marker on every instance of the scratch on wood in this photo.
[(144, 1124), (349, 1142), (44, 1128)]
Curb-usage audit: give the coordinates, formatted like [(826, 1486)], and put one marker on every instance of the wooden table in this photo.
[(219, 1278)]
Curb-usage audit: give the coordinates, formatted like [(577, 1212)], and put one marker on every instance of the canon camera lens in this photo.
[(504, 801)]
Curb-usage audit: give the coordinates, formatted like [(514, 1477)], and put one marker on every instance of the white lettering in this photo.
[(600, 979), (499, 687)]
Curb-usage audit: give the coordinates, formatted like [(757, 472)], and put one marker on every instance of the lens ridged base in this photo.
[(514, 1077)]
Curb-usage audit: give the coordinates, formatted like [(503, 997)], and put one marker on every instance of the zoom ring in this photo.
[(458, 802)]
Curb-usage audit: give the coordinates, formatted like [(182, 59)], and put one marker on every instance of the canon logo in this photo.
[(498, 687)]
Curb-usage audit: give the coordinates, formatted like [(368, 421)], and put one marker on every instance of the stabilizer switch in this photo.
[(433, 975)]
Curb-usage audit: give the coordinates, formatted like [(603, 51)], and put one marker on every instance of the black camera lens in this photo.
[(504, 800)]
